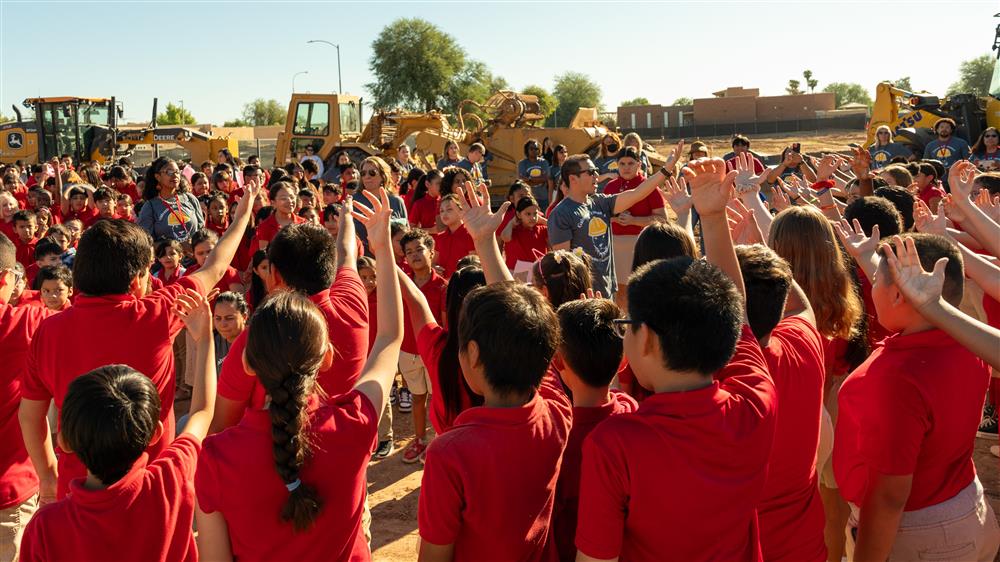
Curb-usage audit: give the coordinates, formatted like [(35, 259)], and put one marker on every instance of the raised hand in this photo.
[(961, 177), (479, 220), (861, 163), (675, 155), (746, 181), (919, 286), (780, 196), (952, 210), (711, 186), (827, 166), (989, 205), (376, 219), (926, 221), (859, 245), (193, 309), (675, 191), (251, 190)]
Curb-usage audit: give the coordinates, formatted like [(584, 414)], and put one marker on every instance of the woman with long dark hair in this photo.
[(169, 212)]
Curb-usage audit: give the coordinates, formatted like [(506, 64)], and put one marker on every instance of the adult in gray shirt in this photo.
[(583, 218), (534, 171), (168, 213)]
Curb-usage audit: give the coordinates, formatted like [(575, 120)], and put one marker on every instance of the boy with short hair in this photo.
[(907, 427), (695, 451), (47, 254), (106, 203), (790, 509), (56, 286), (587, 360), (111, 417), (25, 227), (454, 242), (515, 439), (418, 249)]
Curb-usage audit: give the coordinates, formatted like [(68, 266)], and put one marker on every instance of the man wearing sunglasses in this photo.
[(581, 221)]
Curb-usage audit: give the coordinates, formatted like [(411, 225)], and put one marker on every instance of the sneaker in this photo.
[(394, 394), (384, 449), (415, 452), (405, 400), (988, 427)]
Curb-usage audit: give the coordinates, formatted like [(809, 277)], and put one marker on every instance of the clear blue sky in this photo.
[(215, 56)]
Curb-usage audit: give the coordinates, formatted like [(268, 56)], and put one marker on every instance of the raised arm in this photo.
[(625, 200), (482, 224), (748, 188), (379, 370), (347, 248), (675, 191), (416, 303), (220, 258), (194, 311), (711, 190), (961, 178), (862, 248)]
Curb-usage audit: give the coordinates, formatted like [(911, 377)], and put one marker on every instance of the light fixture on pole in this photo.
[(340, 84), (296, 75)]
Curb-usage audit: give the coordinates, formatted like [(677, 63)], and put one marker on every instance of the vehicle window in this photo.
[(312, 119), (350, 121)]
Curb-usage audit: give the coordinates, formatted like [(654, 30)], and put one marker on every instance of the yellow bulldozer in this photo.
[(87, 129), (331, 123)]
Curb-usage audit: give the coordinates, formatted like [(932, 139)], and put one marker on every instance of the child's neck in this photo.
[(454, 227), (282, 217), (168, 271), (93, 483), (590, 397), (674, 381), (423, 276), (493, 400)]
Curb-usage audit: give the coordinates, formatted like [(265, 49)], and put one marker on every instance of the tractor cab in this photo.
[(322, 121), (70, 125)]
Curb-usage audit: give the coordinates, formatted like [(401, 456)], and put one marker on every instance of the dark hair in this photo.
[(151, 187), (513, 359), (286, 344), (990, 181), (476, 147), (54, 273), (452, 383), (767, 278), (308, 165), (931, 248), (660, 241), (871, 210), (928, 169), (425, 181), (516, 186), (900, 174), (23, 215), (903, 200), (939, 171), (277, 175), (947, 120), (693, 308), (467, 261), (305, 256), (417, 235), (590, 344), (414, 175), (105, 194), (741, 140), (201, 236), (274, 188), (980, 146), (235, 300), (47, 247), (528, 144), (110, 254), (453, 174), (331, 212), (163, 245), (572, 166), (108, 418), (257, 291), (564, 274), (365, 262), (629, 152), (524, 203), (217, 176), (118, 173)]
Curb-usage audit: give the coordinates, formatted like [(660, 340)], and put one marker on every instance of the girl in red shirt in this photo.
[(169, 253), (423, 208), (928, 189), (217, 218), (524, 238), (283, 198), (8, 206)]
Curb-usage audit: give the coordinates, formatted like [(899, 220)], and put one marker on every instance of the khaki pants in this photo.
[(962, 529), (624, 248), (13, 520)]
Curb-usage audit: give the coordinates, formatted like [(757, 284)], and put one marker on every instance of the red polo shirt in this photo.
[(643, 208), (229, 278), (424, 212), (452, 246), (345, 307), (268, 229), (430, 344), (651, 480), (568, 488), (524, 242), (932, 191), (790, 509), (912, 408), (25, 251), (107, 330), (434, 289), (237, 477), (495, 501), (147, 515), (18, 324)]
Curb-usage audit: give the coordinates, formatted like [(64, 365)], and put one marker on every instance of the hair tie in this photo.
[(294, 485)]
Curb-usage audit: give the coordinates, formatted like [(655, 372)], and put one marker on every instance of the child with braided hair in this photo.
[(288, 481)]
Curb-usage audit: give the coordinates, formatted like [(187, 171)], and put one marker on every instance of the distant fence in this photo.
[(265, 148), (842, 122)]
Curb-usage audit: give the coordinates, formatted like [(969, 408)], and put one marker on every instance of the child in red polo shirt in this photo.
[(907, 426), (588, 359), (25, 227), (284, 197), (790, 510), (453, 243), (697, 450), (418, 247), (169, 253), (111, 275), (203, 241), (110, 417), (106, 203), (288, 482), (56, 286), (46, 254), (525, 239)]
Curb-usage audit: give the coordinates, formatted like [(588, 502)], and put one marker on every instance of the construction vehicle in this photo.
[(912, 116), (331, 123), (87, 129)]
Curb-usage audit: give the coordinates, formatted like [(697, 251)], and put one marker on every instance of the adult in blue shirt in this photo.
[(607, 160), (170, 212), (946, 148), (534, 171), (884, 149), (473, 163)]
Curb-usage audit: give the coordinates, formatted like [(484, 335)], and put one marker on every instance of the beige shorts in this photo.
[(13, 520), (414, 373)]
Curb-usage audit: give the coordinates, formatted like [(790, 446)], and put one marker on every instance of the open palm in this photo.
[(479, 220), (920, 287)]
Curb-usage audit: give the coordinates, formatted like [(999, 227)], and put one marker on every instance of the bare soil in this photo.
[(827, 141)]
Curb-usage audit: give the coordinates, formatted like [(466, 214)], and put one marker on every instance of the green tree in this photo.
[(793, 88), (573, 90), (175, 115), (414, 64), (474, 82), (683, 101), (5, 118), (974, 76), (808, 75), (237, 123), (261, 112), (903, 83), (546, 101), (635, 101), (845, 92)]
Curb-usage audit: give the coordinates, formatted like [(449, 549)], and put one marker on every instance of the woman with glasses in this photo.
[(375, 173), (986, 151), (170, 212), (884, 149), (534, 171)]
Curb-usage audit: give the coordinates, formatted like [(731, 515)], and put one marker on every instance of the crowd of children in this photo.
[(710, 361)]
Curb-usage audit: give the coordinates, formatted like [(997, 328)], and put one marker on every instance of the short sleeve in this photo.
[(893, 434), (604, 492), (161, 301), (559, 231), (428, 344), (33, 386), (234, 382), (177, 464), (439, 512), (605, 203), (747, 379), (206, 480)]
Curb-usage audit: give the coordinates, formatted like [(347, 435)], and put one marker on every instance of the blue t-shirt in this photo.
[(587, 227), (444, 162), (474, 168), (882, 155), (532, 169), (397, 205), (949, 152), (605, 165)]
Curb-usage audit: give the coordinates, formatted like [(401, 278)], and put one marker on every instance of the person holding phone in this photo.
[(791, 163)]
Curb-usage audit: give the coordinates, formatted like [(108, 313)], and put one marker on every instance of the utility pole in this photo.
[(296, 75), (340, 84)]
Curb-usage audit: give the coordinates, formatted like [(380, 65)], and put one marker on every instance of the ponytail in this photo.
[(564, 274)]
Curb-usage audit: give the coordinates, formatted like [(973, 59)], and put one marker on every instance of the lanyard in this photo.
[(176, 213)]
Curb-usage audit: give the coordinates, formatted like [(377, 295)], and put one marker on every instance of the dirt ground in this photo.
[(827, 141)]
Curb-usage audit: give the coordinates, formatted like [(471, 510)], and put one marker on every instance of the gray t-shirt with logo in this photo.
[(587, 227)]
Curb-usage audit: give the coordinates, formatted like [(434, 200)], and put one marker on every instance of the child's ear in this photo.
[(157, 433), (327, 357), (647, 339), (138, 286), (62, 443)]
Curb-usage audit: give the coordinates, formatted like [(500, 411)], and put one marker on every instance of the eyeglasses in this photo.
[(990, 136), (171, 173), (884, 132), (594, 172), (369, 173), (620, 325)]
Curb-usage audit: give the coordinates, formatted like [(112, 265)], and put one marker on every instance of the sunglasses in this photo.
[(594, 172), (370, 173), (990, 136)]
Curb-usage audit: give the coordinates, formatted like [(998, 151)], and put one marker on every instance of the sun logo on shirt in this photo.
[(534, 172), (943, 152), (174, 220), (613, 166), (881, 157)]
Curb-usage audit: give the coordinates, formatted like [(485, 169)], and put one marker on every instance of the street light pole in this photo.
[(296, 75), (340, 84)]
